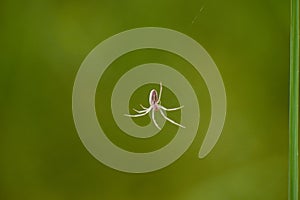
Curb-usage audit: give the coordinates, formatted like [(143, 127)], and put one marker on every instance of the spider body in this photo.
[(154, 101)]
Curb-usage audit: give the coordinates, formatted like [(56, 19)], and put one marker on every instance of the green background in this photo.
[(42, 46)]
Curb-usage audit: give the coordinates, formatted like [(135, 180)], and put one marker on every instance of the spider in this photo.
[(155, 105)]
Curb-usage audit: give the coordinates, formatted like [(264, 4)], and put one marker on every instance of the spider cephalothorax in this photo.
[(154, 101)]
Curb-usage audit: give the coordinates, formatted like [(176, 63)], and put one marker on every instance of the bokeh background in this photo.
[(42, 46)]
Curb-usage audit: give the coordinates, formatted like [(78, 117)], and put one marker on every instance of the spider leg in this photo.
[(170, 109), (143, 106), (154, 121), (160, 91), (164, 116), (138, 115), (140, 111)]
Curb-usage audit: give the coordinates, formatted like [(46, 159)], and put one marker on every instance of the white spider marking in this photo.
[(154, 102)]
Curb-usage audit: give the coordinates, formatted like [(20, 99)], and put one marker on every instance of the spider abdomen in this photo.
[(153, 97)]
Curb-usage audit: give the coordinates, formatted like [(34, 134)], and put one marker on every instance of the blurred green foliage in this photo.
[(42, 46)]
